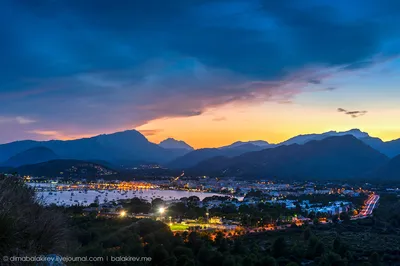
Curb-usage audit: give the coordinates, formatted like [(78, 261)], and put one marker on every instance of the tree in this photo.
[(159, 255), (157, 203), (268, 261), (297, 251), (345, 217), (27, 227), (307, 233), (229, 261), (184, 261), (374, 259), (96, 202), (223, 246), (136, 205), (179, 251), (312, 245), (331, 259), (319, 249), (205, 255), (335, 219), (193, 200), (239, 248), (279, 247), (337, 244)]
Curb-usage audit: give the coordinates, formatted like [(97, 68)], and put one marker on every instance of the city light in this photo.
[(122, 213)]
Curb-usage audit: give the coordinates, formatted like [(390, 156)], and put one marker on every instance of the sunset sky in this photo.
[(208, 72)]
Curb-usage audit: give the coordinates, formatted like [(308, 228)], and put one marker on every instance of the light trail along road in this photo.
[(369, 207)]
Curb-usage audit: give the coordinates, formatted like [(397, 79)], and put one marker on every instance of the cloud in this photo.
[(45, 132), (219, 118), (285, 102), (150, 132), (314, 81), (23, 120), (89, 66), (330, 89), (19, 119), (353, 114), (52, 134)]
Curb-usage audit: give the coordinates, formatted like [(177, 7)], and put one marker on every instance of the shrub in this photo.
[(26, 227)]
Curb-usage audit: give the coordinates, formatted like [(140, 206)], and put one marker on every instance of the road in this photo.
[(369, 207)]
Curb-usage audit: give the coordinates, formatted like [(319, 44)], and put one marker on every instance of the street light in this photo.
[(122, 213), (161, 210)]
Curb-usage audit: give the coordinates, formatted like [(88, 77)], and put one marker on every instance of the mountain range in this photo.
[(126, 146), (390, 149), (333, 157), (130, 148)]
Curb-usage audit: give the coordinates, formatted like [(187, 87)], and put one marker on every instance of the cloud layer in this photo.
[(87, 66), (353, 114)]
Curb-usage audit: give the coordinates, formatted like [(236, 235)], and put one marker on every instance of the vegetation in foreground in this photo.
[(27, 228)]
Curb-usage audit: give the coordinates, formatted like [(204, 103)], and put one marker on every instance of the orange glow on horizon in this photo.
[(270, 122)]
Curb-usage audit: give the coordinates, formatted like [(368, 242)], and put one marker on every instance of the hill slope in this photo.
[(66, 169), (192, 158), (390, 171), (333, 157), (126, 145), (31, 156)]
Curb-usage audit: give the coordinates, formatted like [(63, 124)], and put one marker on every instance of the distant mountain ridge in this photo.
[(172, 143), (302, 139), (333, 157), (259, 143), (389, 148), (127, 149), (31, 156), (120, 146)]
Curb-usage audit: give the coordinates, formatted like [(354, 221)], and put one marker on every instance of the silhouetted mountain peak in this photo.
[(302, 139), (171, 143), (259, 143), (127, 135)]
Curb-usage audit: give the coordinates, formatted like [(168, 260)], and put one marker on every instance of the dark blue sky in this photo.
[(71, 68)]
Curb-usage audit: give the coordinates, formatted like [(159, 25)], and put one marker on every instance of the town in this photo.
[(205, 203)]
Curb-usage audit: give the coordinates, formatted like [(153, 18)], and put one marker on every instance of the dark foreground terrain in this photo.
[(28, 229)]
